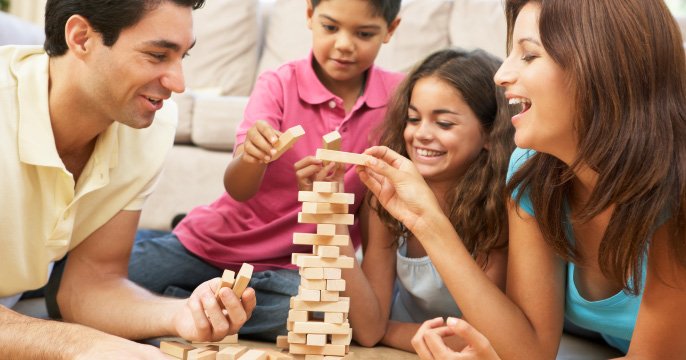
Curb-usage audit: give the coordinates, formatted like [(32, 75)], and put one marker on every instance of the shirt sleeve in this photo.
[(517, 159), (265, 103)]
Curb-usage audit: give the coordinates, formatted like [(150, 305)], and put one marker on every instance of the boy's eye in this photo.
[(329, 28), (365, 34)]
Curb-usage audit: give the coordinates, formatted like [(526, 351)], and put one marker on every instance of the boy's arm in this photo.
[(242, 179)]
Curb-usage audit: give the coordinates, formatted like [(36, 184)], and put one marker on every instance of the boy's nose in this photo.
[(344, 42)]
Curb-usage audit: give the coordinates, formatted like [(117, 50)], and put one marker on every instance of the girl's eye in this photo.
[(528, 57), (445, 124), (411, 119), (329, 28)]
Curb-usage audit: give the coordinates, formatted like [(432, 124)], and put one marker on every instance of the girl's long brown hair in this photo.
[(476, 204), (625, 61)]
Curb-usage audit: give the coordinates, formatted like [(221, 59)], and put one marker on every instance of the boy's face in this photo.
[(346, 38), (129, 81)]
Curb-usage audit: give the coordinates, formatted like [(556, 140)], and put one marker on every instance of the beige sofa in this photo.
[(237, 39)]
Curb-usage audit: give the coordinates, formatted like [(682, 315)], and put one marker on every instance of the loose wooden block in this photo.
[(332, 141), (342, 305), (342, 157), (328, 251), (316, 339), (314, 357), (334, 318), (343, 262), (282, 341), (335, 198), (317, 350), (294, 338), (332, 273), (254, 355), (316, 239), (311, 273), (308, 294), (340, 219), (324, 208), (176, 349), (318, 327), (314, 284), (232, 352), (326, 295), (229, 339), (227, 281), (326, 229), (242, 279), (335, 285), (276, 355), (287, 139), (204, 353), (325, 186)]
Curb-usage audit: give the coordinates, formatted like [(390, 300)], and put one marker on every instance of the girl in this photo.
[(596, 225)]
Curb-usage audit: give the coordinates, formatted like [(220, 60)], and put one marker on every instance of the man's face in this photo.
[(130, 80)]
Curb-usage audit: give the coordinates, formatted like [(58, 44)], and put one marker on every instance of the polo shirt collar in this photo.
[(312, 91)]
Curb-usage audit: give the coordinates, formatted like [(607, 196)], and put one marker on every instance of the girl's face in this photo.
[(537, 84), (442, 134)]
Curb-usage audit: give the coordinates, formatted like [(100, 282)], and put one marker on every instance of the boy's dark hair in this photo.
[(107, 17), (389, 9)]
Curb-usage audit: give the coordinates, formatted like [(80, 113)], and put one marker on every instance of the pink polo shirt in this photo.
[(260, 231)]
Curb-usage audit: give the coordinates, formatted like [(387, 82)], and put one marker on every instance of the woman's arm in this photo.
[(659, 328)]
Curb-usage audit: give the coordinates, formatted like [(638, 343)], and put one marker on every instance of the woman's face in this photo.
[(536, 83)]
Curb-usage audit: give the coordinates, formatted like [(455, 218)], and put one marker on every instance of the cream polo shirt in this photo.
[(44, 213)]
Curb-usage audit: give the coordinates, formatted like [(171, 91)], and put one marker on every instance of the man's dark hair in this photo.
[(389, 9), (108, 17)]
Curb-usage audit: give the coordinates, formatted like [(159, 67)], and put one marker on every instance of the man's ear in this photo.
[(310, 12), (79, 35), (391, 29)]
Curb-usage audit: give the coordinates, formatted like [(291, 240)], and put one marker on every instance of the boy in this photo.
[(335, 88)]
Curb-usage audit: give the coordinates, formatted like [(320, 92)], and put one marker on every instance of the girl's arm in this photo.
[(659, 328), (370, 286)]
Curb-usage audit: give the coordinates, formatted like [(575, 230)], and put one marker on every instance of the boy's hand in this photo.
[(202, 319), (309, 169), (258, 146)]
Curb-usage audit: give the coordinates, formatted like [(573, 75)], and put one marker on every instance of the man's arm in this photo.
[(95, 291), (23, 337)]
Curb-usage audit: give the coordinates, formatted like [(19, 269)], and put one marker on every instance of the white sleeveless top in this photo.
[(420, 293)]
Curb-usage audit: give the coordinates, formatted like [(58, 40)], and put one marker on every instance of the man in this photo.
[(84, 134)]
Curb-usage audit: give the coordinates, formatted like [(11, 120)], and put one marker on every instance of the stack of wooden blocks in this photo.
[(318, 325)]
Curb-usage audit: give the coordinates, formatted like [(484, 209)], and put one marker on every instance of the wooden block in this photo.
[(342, 157), (316, 339), (314, 357), (227, 281), (342, 305), (343, 262), (231, 352), (340, 219), (316, 239), (242, 279), (254, 355), (314, 284), (336, 198), (311, 273), (348, 356), (326, 295), (298, 315), (324, 208), (332, 273), (204, 353), (282, 341), (342, 339), (326, 229), (335, 285), (176, 349), (325, 186), (294, 338), (327, 251), (308, 294), (332, 141), (276, 355), (287, 139), (318, 327), (317, 350), (229, 339), (334, 318)]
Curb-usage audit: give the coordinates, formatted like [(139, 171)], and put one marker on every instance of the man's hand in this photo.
[(203, 319)]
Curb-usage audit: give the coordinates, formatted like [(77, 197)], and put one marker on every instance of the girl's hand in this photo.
[(398, 186), (309, 169), (429, 341), (258, 146)]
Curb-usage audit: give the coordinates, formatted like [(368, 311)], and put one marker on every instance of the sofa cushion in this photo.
[(215, 120), (19, 32), (423, 29), (225, 56), (479, 23)]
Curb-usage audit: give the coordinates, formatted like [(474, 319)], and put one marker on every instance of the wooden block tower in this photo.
[(318, 325)]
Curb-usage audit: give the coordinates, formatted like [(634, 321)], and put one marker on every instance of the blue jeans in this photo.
[(161, 264)]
